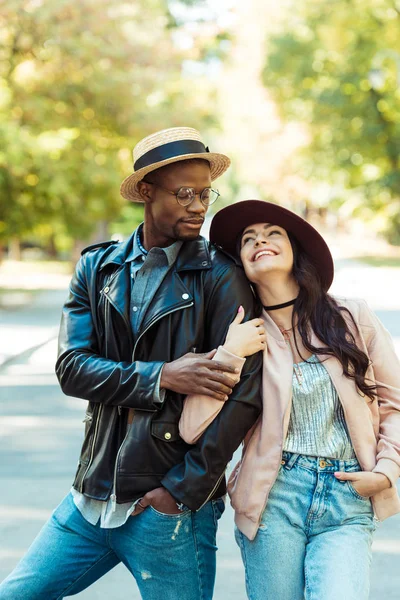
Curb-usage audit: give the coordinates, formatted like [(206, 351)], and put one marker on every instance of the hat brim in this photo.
[(229, 223), (219, 163)]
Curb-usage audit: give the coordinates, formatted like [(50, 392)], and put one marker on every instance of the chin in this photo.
[(187, 237)]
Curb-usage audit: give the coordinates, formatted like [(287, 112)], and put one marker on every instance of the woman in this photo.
[(319, 469)]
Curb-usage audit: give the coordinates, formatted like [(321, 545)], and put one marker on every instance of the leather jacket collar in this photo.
[(193, 255)]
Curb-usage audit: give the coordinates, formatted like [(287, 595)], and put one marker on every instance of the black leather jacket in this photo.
[(100, 362)]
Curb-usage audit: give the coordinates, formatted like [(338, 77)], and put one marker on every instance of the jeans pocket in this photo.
[(356, 494), (218, 509), (169, 516)]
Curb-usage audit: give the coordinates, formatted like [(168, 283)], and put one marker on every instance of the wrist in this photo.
[(384, 482), (230, 347), (164, 378)]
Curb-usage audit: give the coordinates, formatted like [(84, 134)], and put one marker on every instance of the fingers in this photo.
[(256, 323), (346, 476), (222, 386), (208, 355), (140, 506), (239, 317), (144, 502), (215, 365)]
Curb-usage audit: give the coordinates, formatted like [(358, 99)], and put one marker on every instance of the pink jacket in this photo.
[(374, 427)]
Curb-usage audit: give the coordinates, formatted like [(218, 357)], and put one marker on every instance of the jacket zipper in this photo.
[(101, 405), (113, 496), (213, 490), (96, 428)]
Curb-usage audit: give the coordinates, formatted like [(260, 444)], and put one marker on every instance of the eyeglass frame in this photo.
[(194, 195)]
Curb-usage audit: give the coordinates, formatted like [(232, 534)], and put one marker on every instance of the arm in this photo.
[(194, 480), (242, 340), (83, 372), (200, 410), (386, 366)]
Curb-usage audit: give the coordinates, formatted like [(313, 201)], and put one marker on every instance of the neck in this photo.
[(278, 290), (151, 238)]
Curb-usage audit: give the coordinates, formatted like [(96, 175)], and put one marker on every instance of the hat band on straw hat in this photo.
[(170, 150)]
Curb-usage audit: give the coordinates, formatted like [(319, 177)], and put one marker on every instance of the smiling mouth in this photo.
[(263, 253)]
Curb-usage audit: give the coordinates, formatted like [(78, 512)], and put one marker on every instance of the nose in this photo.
[(260, 239), (196, 206)]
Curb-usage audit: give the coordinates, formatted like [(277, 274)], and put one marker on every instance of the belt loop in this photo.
[(291, 461)]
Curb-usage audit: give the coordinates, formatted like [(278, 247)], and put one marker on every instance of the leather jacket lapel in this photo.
[(172, 295)]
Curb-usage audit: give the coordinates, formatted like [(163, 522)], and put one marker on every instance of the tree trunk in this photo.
[(52, 248), (14, 249)]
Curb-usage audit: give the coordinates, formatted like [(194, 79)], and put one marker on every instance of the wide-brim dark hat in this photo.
[(164, 148), (229, 223)]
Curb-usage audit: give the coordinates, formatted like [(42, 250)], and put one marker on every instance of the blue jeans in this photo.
[(314, 539), (170, 556)]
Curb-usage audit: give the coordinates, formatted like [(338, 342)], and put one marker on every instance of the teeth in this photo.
[(264, 253)]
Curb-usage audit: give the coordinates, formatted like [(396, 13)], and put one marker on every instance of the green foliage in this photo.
[(335, 67), (80, 83)]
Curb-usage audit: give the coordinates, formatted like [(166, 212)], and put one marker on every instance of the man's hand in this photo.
[(198, 374), (365, 483), (160, 499)]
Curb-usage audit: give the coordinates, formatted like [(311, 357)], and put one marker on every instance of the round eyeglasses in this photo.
[(186, 195)]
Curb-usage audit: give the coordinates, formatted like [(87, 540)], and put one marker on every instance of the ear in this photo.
[(145, 190)]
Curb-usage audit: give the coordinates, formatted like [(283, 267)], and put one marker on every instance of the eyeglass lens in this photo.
[(186, 195)]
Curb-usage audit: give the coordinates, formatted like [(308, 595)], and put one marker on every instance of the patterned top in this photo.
[(317, 426)]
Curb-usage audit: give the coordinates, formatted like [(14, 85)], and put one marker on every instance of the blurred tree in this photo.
[(335, 67), (80, 83)]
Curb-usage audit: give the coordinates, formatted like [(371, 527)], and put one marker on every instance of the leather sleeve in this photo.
[(83, 373), (194, 480)]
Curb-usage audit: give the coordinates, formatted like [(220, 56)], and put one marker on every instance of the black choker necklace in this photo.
[(284, 305)]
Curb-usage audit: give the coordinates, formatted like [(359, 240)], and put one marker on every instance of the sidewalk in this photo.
[(29, 326), (31, 298)]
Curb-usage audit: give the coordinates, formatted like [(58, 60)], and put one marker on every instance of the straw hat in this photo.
[(228, 224), (166, 147)]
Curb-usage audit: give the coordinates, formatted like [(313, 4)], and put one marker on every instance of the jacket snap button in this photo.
[(185, 296), (167, 435), (106, 290), (204, 263)]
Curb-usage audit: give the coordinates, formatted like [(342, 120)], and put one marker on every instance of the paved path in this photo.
[(41, 433)]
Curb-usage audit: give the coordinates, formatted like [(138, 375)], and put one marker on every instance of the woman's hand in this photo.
[(245, 339), (365, 483)]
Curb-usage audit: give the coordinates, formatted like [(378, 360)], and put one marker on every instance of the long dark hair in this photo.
[(315, 310)]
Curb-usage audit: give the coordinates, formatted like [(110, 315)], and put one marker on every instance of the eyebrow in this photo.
[(254, 231)]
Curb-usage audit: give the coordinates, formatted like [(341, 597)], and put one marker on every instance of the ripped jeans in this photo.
[(170, 556)]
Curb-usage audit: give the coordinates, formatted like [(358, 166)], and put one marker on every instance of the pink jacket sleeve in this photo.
[(198, 410), (386, 366)]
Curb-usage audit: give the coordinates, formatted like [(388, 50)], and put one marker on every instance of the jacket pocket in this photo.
[(167, 432)]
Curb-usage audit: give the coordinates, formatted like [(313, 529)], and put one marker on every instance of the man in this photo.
[(137, 316)]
